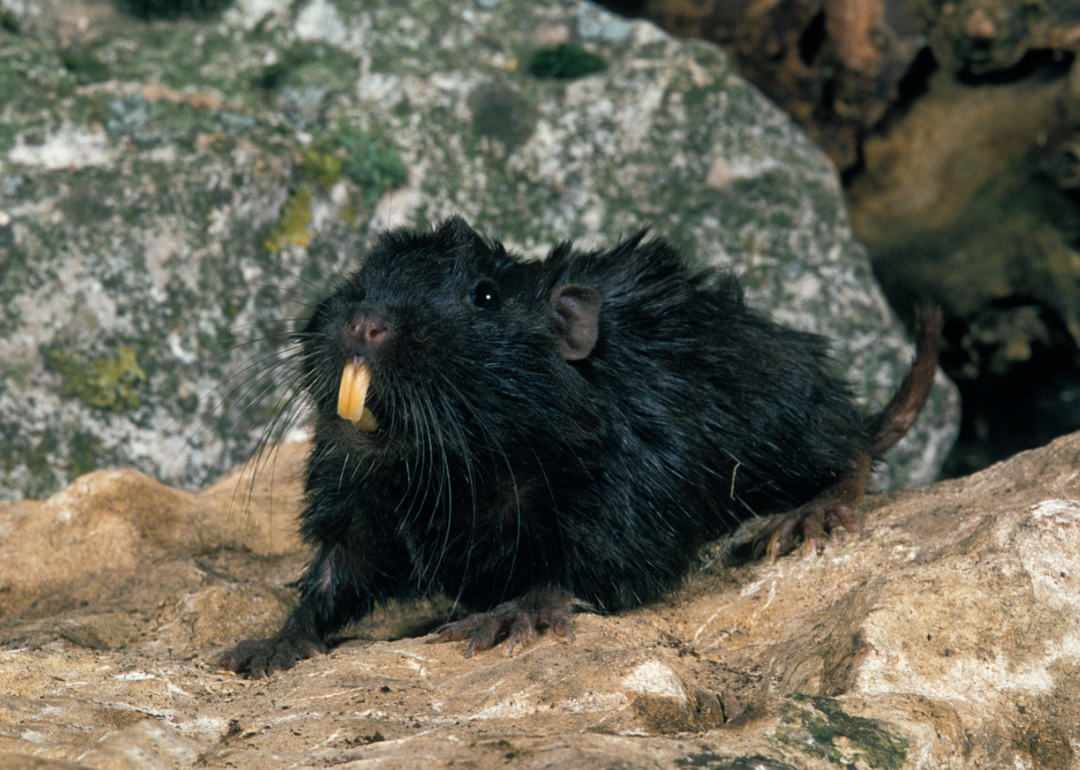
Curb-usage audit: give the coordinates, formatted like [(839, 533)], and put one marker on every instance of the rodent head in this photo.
[(445, 337)]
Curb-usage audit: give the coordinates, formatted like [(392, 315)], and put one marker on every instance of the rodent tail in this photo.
[(890, 424)]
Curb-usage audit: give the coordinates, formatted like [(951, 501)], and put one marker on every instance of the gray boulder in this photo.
[(173, 195)]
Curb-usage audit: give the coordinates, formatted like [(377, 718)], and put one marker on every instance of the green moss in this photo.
[(699, 99), (816, 731), (86, 67), (565, 62), (170, 9), (501, 113), (8, 22), (106, 383), (368, 159), (322, 168), (372, 162), (295, 223), (273, 75), (308, 64), (84, 204), (86, 452), (38, 460)]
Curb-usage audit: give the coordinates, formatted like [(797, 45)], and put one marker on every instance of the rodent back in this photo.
[(719, 390), (628, 346)]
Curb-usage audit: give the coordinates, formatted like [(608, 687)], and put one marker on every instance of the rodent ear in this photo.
[(457, 230), (575, 309)]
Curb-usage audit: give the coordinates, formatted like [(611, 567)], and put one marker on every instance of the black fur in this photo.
[(521, 450)]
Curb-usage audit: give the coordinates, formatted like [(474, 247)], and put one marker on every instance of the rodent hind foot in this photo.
[(813, 521), (830, 509), (259, 658), (516, 620)]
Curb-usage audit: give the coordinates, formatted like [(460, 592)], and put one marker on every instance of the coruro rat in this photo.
[(537, 437)]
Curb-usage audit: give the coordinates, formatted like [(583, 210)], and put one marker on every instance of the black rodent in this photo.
[(545, 436)]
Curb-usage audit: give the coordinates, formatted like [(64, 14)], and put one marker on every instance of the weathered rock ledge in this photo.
[(947, 636)]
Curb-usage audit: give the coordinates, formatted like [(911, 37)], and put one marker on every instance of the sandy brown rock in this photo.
[(947, 636), (839, 66), (968, 199), (937, 189)]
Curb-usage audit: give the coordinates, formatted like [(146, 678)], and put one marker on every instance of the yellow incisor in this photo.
[(354, 386)]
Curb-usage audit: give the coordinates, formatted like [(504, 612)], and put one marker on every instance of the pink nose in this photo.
[(367, 331)]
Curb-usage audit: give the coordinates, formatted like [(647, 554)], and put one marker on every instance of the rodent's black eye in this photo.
[(486, 295)]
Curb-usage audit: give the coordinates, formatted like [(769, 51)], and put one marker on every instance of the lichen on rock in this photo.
[(109, 383)]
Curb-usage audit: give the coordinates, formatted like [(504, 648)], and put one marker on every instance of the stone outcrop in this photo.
[(947, 635)]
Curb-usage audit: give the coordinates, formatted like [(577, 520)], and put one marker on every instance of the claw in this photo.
[(814, 522), (517, 620), (260, 658)]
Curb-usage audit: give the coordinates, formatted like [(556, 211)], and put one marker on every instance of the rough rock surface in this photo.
[(970, 199), (839, 66), (957, 126), (172, 194), (946, 636)]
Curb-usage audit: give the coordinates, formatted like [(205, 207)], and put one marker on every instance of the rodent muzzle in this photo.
[(363, 332)]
